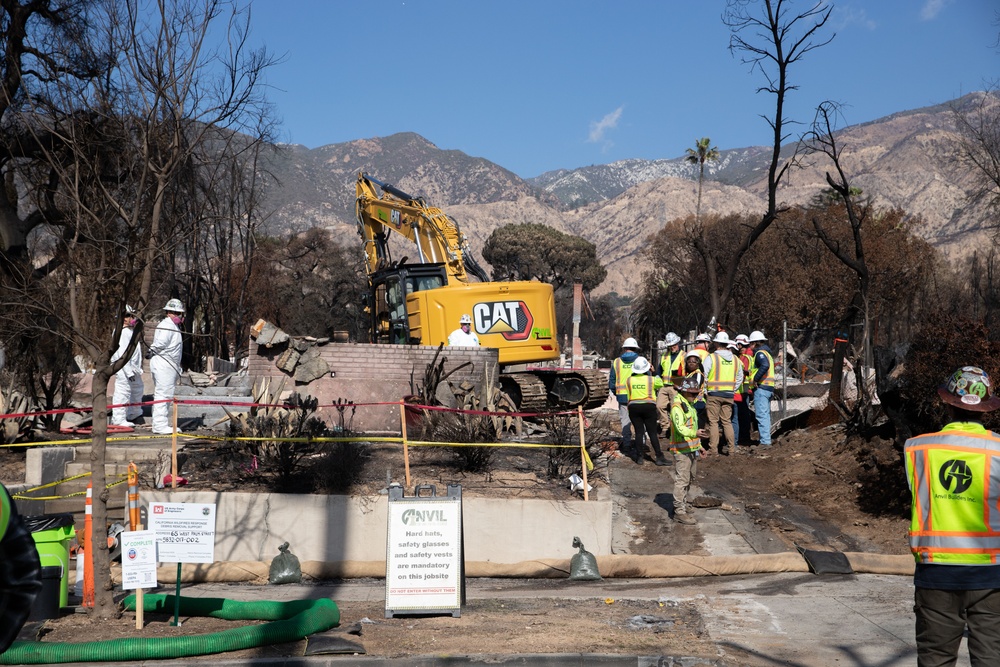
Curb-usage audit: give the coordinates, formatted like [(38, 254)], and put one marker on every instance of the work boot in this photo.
[(661, 461), (684, 518)]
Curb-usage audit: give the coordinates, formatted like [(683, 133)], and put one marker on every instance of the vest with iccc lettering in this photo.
[(722, 375), (623, 369), (642, 388)]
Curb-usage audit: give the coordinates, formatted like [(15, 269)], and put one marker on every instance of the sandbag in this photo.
[(583, 565), (285, 568)]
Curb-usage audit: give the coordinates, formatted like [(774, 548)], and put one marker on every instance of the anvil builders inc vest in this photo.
[(954, 478)]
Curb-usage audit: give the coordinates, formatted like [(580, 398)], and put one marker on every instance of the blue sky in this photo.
[(537, 85)]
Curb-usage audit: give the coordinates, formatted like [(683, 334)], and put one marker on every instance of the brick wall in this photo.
[(365, 373)]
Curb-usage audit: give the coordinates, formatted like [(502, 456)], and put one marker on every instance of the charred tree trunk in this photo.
[(104, 604)]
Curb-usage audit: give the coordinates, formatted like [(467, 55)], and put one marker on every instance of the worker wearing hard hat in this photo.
[(641, 388), (701, 344), (463, 336), (951, 474), (762, 384), (128, 380), (742, 416), (621, 369), (723, 376), (693, 371), (671, 372), (685, 445), (165, 364)]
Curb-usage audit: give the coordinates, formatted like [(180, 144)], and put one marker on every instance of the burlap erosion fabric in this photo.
[(616, 566)]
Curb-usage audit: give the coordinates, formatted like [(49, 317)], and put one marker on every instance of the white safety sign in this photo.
[(138, 559), (424, 556), (185, 532)]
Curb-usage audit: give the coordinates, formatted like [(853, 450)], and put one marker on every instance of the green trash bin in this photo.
[(52, 534)]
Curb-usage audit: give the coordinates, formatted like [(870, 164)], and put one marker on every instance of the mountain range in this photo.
[(904, 160)]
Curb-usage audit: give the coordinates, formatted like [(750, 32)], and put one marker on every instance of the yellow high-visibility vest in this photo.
[(623, 370), (672, 366), (683, 426), (642, 388), (768, 379), (954, 478), (722, 375)]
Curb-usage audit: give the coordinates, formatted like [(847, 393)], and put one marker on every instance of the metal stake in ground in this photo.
[(406, 447), (583, 453)]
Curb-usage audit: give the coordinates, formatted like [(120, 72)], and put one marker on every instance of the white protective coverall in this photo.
[(459, 338), (128, 383), (165, 364)]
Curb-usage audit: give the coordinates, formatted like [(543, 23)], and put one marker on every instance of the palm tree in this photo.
[(699, 155)]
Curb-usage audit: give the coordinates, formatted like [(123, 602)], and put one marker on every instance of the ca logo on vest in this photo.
[(955, 471)]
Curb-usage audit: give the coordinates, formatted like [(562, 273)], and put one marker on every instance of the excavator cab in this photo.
[(390, 287)]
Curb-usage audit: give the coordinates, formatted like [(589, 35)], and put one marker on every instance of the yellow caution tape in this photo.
[(121, 480)]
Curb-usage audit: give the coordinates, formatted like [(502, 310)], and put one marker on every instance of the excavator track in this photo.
[(554, 389), (526, 390)]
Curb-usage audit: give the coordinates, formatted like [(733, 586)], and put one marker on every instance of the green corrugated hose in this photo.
[(290, 621)]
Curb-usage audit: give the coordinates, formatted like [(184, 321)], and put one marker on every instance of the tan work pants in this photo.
[(685, 470), (719, 410)]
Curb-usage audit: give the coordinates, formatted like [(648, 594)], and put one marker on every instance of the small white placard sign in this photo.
[(138, 559), (185, 532), (424, 556)]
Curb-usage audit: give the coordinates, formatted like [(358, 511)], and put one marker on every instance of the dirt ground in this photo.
[(816, 488), (493, 627)]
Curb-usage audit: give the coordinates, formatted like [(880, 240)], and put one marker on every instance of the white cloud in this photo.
[(932, 8), (599, 128), (847, 16)]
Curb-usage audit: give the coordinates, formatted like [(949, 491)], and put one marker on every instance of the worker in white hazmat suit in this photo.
[(128, 380), (165, 363)]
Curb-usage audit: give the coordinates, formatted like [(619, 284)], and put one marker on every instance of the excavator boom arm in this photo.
[(436, 236)]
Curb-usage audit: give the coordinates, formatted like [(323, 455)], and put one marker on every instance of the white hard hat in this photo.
[(757, 336), (721, 337), (640, 365), (672, 339), (694, 354), (630, 344), (734, 346), (129, 310), (174, 306), (465, 320), (742, 339), (703, 338)]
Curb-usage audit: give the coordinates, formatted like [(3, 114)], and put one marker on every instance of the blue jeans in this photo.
[(736, 422), (762, 408)]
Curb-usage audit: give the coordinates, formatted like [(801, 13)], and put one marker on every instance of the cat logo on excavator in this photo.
[(510, 319)]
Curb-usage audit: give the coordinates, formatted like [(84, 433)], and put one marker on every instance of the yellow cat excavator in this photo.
[(420, 302)]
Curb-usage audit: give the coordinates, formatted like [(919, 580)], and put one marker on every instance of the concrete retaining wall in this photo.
[(365, 373), (340, 528)]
